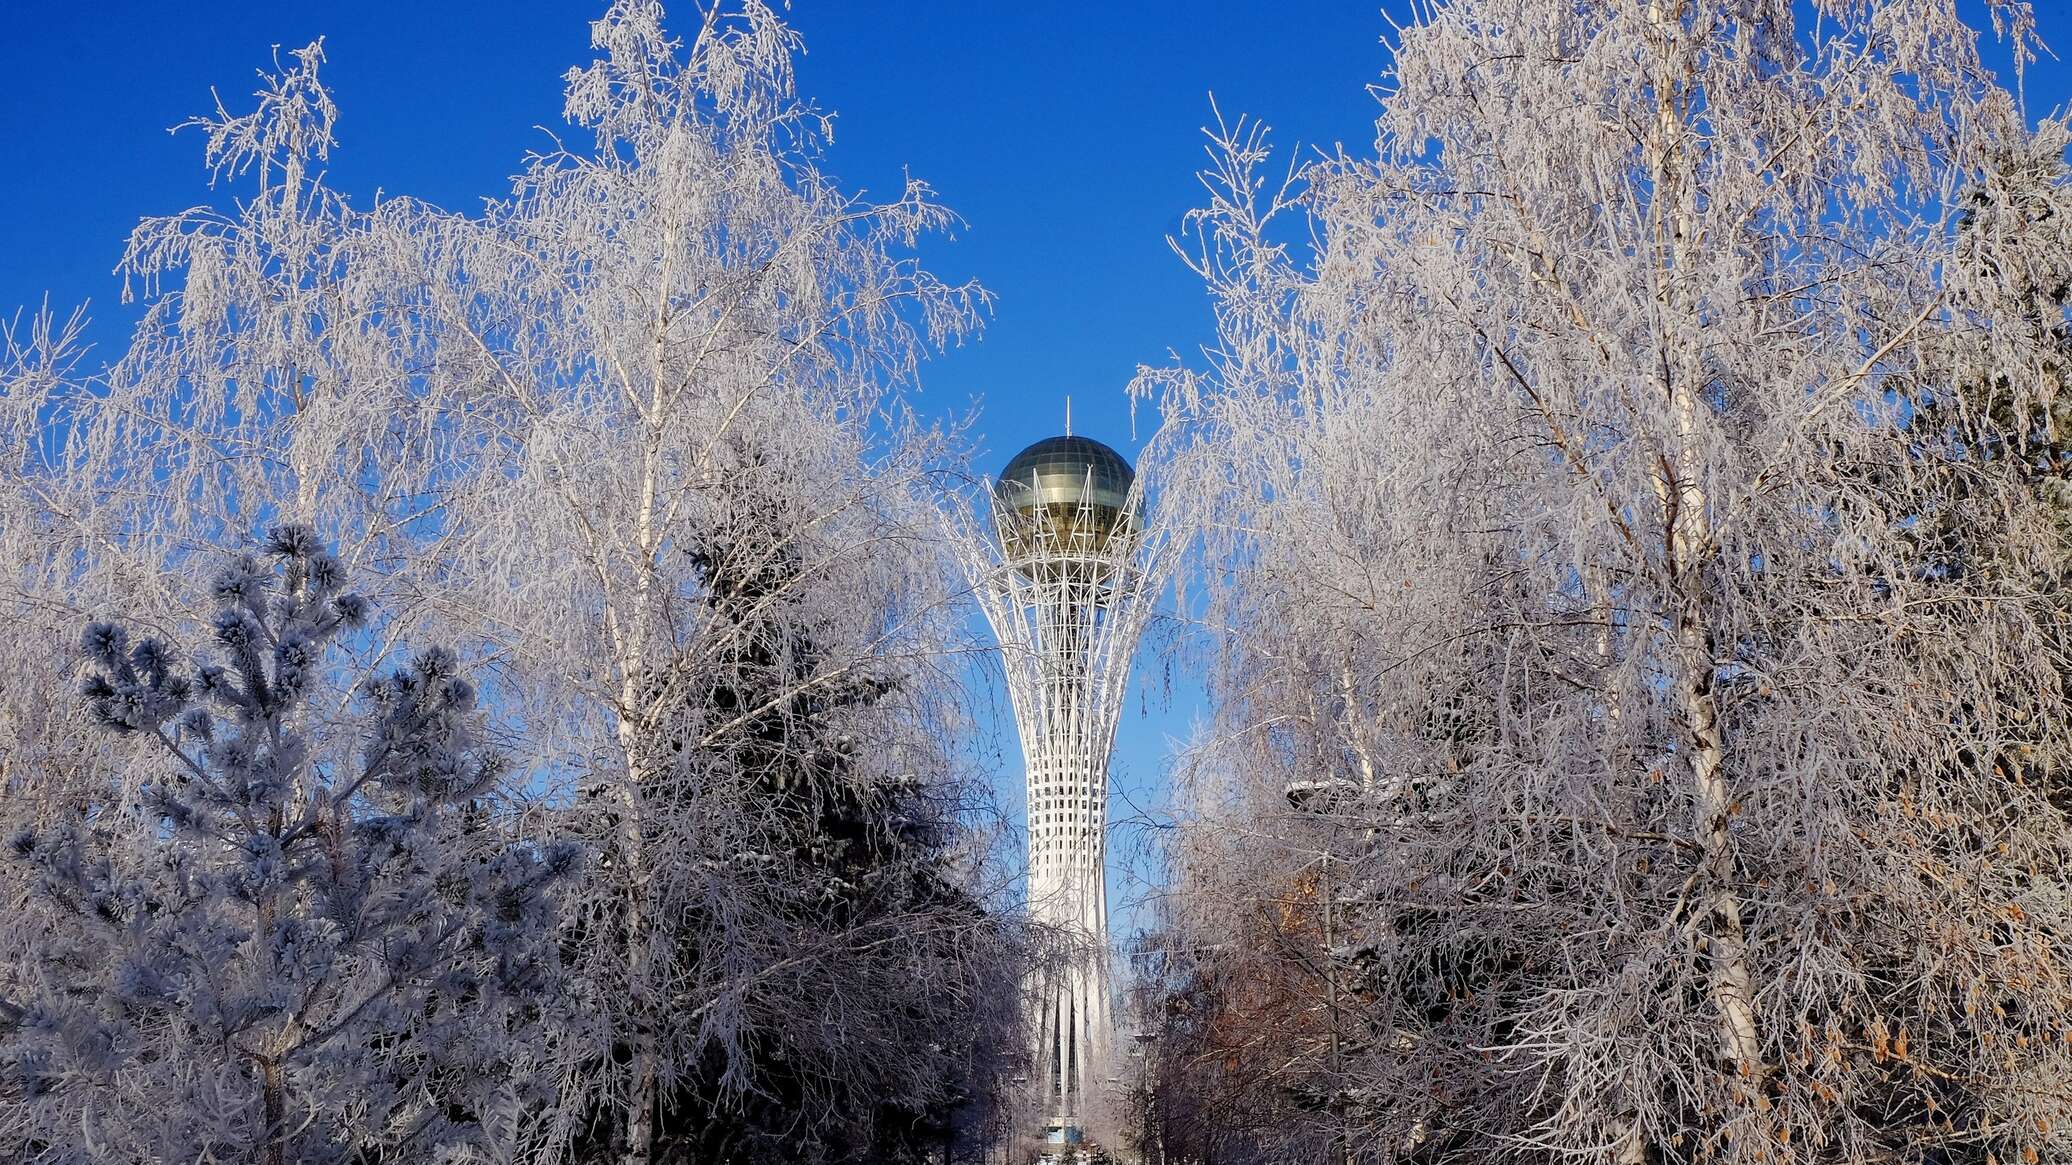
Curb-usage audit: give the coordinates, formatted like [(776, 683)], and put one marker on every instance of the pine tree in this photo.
[(298, 942)]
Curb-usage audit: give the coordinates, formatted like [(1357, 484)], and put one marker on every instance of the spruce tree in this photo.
[(848, 856)]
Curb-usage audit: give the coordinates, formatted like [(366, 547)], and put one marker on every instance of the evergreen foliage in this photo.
[(299, 941)]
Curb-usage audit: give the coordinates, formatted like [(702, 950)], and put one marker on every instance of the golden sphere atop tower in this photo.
[(1063, 497)]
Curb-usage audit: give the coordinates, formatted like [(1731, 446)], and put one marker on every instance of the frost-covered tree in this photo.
[(299, 941), (1642, 664), (707, 548), (229, 411), (634, 441), (820, 911)]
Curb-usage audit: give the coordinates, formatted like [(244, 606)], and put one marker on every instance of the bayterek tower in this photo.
[(1067, 582)]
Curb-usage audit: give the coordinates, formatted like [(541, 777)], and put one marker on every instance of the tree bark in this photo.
[(275, 1109)]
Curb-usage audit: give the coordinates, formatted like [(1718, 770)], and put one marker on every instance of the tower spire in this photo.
[(1068, 414)]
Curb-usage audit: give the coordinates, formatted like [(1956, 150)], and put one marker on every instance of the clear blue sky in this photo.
[(1066, 134)]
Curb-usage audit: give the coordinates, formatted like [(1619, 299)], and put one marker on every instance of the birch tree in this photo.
[(230, 410), (1667, 789)]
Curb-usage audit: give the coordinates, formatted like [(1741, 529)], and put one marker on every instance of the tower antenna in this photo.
[(1068, 414)]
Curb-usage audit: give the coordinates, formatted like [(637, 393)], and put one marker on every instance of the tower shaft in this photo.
[(1066, 762), (1068, 626)]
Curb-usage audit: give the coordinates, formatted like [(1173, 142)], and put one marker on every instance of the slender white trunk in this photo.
[(641, 1096), (1723, 938), (646, 1059), (1692, 546), (1722, 934)]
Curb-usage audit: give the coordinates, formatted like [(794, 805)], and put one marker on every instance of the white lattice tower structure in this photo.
[(1068, 576)]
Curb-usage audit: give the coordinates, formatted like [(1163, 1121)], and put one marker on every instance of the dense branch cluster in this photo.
[(690, 866), (278, 944), (1641, 727)]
